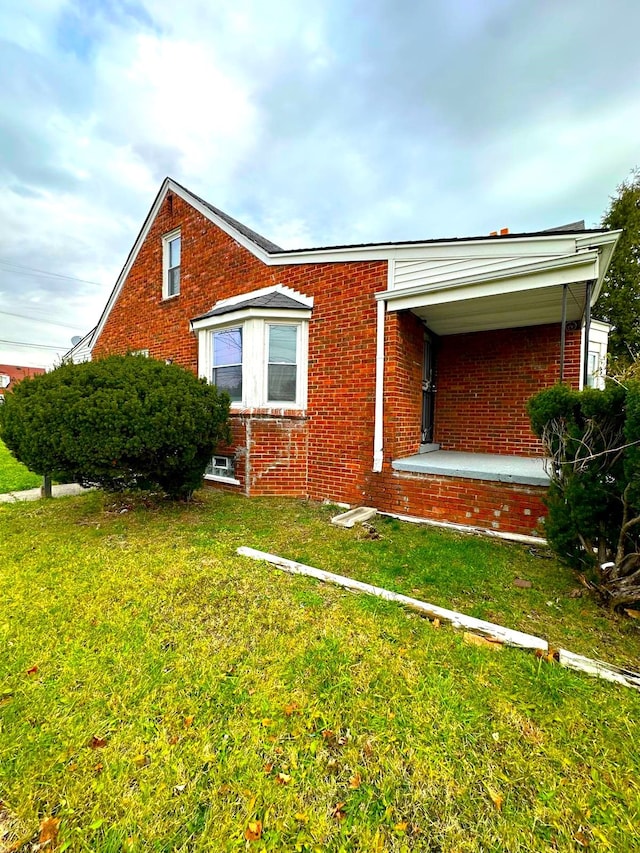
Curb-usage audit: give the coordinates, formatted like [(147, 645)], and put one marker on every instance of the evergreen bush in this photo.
[(119, 422)]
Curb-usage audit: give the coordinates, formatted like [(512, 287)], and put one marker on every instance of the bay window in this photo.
[(255, 347)]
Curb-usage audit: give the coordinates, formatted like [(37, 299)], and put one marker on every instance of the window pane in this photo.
[(227, 347), (174, 252), (174, 281), (282, 344), (282, 383), (229, 379)]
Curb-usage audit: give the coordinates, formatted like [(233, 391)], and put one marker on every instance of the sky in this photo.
[(316, 123)]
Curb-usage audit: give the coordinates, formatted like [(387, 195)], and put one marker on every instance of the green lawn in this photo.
[(159, 693), (13, 475)]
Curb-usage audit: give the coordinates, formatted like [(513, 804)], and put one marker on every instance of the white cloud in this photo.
[(315, 123)]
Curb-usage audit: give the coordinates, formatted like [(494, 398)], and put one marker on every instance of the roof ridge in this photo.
[(258, 239)]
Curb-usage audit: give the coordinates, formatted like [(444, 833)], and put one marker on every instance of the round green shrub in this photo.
[(119, 422)]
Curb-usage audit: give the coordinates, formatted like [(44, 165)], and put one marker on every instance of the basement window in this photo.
[(221, 468)]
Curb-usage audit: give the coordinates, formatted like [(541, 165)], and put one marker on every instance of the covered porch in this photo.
[(481, 326)]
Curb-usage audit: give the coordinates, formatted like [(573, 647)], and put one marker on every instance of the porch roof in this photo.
[(525, 470), (522, 285)]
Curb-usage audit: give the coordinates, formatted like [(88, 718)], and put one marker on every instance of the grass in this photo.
[(159, 693), (13, 475)]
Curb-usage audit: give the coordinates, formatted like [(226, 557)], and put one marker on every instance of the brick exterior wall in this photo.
[(485, 379), (327, 451)]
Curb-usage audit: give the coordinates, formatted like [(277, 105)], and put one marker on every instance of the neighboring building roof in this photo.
[(82, 350), (15, 373), (267, 300)]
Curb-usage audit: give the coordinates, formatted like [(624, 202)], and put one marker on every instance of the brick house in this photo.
[(393, 375), (12, 373)]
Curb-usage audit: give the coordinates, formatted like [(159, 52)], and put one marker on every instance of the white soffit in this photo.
[(504, 311)]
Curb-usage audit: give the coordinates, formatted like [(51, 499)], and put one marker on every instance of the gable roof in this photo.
[(256, 238), (557, 242)]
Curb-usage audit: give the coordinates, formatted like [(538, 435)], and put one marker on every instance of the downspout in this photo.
[(587, 330), (563, 330), (379, 409)]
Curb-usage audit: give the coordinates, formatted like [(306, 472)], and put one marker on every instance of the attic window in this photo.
[(171, 249), (5, 379)]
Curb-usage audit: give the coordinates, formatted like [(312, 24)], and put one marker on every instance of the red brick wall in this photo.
[(485, 380), (327, 452), (404, 349), (480, 503), (338, 431)]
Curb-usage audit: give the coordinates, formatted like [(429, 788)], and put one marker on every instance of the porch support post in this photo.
[(587, 329), (563, 330), (379, 409)]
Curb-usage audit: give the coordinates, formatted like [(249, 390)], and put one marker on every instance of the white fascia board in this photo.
[(542, 274), (540, 246), (234, 317), (265, 291), (607, 243)]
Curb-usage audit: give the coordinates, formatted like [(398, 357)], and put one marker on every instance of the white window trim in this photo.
[(299, 339), (218, 478), (166, 239), (254, 323)]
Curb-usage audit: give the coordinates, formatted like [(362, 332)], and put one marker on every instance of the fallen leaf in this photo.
[(328, 734), (283, 778), (355, 781), (401, 827), (338, 811), (173, 740), (33, 669), (521, 583), (253, 832), (435, 623), (635, 614), (267, 721), (179, 789), (483, 642), (291, 709), (97, 742), (98, 768), (72, 766), (496, 798), (581, 839), (268, 767), (188, 721), (49, 831), (302, 817), (142, 760)]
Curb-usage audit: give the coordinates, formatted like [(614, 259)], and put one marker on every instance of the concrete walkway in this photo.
[(34, 494)]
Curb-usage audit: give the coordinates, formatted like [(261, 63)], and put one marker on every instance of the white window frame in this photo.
[(166, 241), (299, 340), (212, 366), (229, 466), (254, 323)]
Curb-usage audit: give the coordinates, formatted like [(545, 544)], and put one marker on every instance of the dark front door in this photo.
[(428, 388)]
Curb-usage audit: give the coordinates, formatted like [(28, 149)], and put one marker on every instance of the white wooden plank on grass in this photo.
[(458, 620)]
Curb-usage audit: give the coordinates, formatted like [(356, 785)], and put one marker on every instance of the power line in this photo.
[(37, 273), (42, 320), (65, 347)]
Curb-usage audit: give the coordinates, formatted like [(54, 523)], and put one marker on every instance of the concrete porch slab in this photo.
[(476, 466)]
